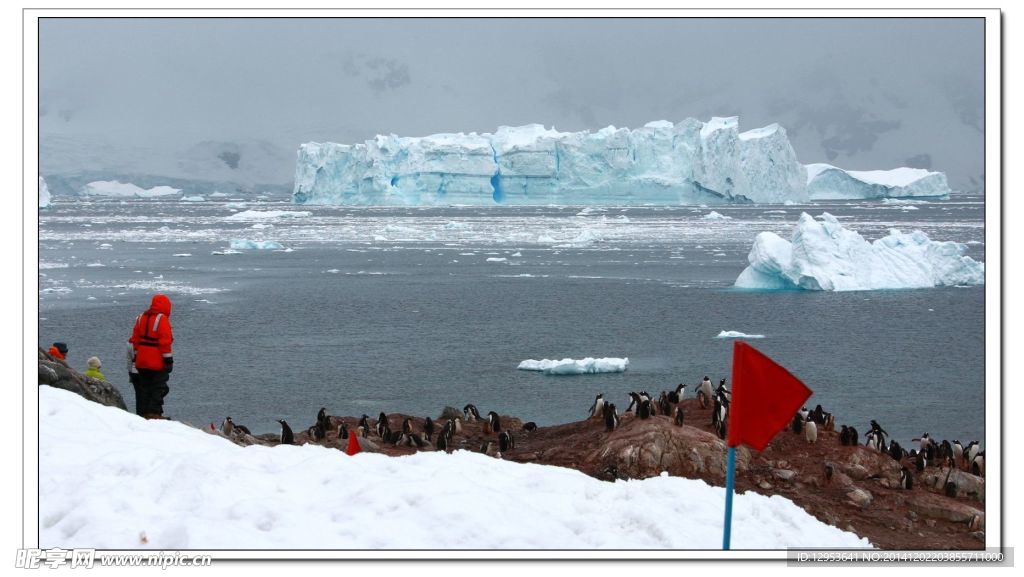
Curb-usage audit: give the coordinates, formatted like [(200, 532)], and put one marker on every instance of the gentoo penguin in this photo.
[(287, 438), (343, 430), (818, 415), (611, 417), (428, 428), (664, 405), (958, 451), (829, 471), (531, 426), (634, 401), (323, 420), (494, 421), (811, 431), (830, 422), (227, 427), (798, 425), (489, 448), (597, 409), (506, 442), (924, 441), (407, 426), (844, 436), (804, 413), (679, 416), (704, 392), (456, 425), (920, 461), (471, 412), (895, 450), (316, 432), (382, 424), (854, 437), (442, 441), (978, 464), (677, 395), (644, 410), (971, 451), (906, 478)]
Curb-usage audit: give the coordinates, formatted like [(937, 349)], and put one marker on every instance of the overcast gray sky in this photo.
[(146, 94)]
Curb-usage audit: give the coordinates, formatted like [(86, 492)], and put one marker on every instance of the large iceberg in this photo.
[(824, 255), (826, 182), (691, 162), (44, 194)]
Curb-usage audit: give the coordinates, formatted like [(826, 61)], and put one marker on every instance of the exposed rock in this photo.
[(936, 506), (979, 535), (57, 373), (856, 471), (784, 474), (966, 483), (859, 497)]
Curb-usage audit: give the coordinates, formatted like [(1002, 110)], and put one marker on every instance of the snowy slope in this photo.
[(108, 477)]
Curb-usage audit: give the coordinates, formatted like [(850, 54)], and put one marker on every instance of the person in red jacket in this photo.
[(58, 351), (151, 343)]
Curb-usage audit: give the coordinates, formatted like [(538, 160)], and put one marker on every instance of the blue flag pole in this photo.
[(730, 474)]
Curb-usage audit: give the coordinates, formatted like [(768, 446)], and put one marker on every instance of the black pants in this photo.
[(150, 390)]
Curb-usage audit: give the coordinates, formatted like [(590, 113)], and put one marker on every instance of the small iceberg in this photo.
[(588, 365), (713, 215), (242, 244), (737, 335)]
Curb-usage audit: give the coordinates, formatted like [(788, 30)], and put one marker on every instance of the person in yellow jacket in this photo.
[(94, 369)]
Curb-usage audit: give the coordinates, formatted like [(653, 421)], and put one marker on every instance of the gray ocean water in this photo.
[(412, 309)]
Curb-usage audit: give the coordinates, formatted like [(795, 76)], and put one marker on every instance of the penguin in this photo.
[(287, 438), (531, 426), (664, 405), (471, 412), (958, 450), (227, 427), (343, 430), (811, 430), (597, 409), (978, 464), (854, 437), (924, 441), (428, 428), (704, 393), (323, 420), (895, 450), (457, 425), (407, 426), (844, 436), (906, 478), (830, 422), (679, 416), (363, 431), (804, 413), (798, 425), (971, 451), (442, 442), (506, 442), (920, 462), (418, 441), (242, 429), (829, 471), (494, 421), (644, 410), (364, 424), (317, 432), (382, 424), (817, 415), (677, 395), (489, 448), (611, 417), (723, 424), (634, 401)]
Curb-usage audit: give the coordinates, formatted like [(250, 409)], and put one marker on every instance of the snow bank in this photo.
[(108, 477), (119, 189), (247, 215), (244, 244), (588, 365), (826, 182), (44, 194), (737, 335), (826, 256)]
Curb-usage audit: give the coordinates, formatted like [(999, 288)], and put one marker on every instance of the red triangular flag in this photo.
[(353, 445), (765, 397)]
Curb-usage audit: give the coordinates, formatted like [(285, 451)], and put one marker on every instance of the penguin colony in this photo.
[(498, 441)]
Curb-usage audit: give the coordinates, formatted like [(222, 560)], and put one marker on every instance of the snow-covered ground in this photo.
[(111, 480)]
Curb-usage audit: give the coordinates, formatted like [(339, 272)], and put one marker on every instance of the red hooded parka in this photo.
[(152, 335)]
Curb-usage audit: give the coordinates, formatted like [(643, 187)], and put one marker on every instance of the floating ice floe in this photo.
[(713, 215), (588, 365), (193, 199), (244, 244), (737, 335), (267, 214), (824, 255), (122, 189), (496, 259)]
